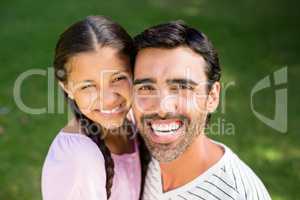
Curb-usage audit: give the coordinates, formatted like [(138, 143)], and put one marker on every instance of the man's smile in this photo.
[(166, 130)]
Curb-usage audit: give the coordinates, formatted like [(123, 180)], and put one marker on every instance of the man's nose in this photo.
[(168, 103)]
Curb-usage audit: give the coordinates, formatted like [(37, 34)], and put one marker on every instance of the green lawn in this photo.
[(254, 39)]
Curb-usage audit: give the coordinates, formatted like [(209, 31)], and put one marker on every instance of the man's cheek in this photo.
[(145, 105), (186, 105), (142, 127), (199, 104)]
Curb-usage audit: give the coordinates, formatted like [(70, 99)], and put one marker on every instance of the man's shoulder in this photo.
[(229, 178), (242, 178)]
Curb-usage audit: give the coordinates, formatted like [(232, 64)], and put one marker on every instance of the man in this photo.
[(176, 82)]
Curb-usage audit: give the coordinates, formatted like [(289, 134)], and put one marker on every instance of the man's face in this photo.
[(170, 99)]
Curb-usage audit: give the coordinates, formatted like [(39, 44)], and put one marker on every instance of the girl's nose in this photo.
[(109, 100)]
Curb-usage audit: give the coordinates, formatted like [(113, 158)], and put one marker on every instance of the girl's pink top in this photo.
[(74, 170)]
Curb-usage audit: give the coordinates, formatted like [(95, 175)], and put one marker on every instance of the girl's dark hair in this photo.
[(84, 36), (175, 34)]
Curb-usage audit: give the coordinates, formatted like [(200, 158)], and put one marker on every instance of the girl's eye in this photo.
[(86, 87), (119, 78)]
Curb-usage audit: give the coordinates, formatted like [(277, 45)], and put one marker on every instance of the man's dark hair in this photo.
[(175, 34)]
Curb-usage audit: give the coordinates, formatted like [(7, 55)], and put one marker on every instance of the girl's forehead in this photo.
[(96, 64)]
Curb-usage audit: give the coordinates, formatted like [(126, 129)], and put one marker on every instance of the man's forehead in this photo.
[(165, 63), (164, 74)]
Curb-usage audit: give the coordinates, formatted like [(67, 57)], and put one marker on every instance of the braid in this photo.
[(93, 131), (109, 162), (145, 158)]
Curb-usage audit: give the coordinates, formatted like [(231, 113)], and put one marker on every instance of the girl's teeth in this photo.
[(111, 111)]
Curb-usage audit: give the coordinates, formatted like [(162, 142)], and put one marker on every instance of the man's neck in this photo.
[(200, 156)]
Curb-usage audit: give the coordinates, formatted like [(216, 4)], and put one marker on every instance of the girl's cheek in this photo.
[(124, 89), (86, 102)]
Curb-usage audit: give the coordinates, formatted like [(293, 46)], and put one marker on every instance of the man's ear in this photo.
[(213, 97), (64, 87)]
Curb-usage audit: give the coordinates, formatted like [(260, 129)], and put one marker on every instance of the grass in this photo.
[(254, 39)]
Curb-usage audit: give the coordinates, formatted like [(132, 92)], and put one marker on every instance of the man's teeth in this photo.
[(115, 110), (165, 127)]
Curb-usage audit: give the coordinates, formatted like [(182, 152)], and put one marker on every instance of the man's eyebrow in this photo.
[(143, 80), (182, 81)]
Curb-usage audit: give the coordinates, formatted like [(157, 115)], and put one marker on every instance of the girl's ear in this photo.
[(213, 97), (64, 87)]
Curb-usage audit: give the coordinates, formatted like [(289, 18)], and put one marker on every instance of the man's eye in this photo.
[(182, 87), (146, 90), (185, 87), (146, 87)]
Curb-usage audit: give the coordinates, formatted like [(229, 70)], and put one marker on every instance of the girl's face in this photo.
[(100, 84)]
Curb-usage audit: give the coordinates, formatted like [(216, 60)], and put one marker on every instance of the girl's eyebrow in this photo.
[(121, 72), (78, 84), (116, 73), (83, 82), (87, 81)]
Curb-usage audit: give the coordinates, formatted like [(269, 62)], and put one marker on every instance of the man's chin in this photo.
[(165, 156), (165, 152)]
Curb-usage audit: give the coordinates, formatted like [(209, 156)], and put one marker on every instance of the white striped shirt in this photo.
[(228, 179)]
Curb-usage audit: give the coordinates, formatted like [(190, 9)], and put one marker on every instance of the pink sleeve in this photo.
[(73, 170)]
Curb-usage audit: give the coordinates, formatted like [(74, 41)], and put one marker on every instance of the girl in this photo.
[(94, 157)]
